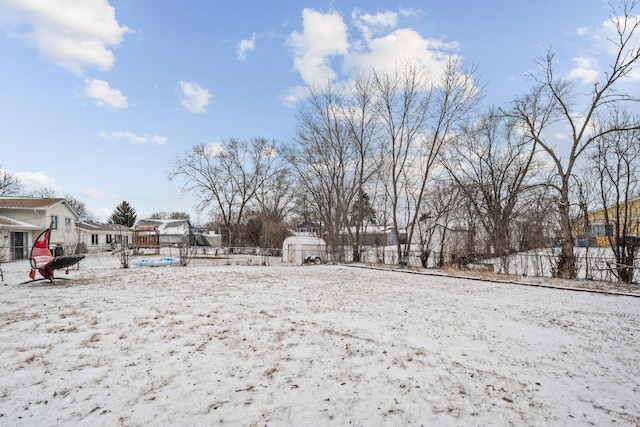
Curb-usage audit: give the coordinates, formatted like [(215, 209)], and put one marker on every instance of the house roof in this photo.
[(303, 240), (99, 226), (29, 202), (179, 227), (633, 204), (16, 224), (306, 224), (9, 206)]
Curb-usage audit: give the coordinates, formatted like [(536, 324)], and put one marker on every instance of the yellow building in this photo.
[(603, 223)]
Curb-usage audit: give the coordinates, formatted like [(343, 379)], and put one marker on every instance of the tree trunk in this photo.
[(566, 268)]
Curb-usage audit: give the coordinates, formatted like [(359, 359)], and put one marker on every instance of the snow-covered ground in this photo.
[(234, 344)]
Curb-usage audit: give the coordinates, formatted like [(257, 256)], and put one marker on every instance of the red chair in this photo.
[(43, 261)]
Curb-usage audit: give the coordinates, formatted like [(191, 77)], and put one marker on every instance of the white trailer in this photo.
[(297, 249)]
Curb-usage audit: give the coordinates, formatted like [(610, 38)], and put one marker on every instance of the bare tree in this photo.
[(9, 184), (170, 215), (420, 115), (616, 158), (493, 166), (226, 180), (553, 101), (43, 193), (441, 201), (362, 122), (259, 231), (304, 209), (404, 98), (84, 214), (535, 225), (272, 205), (274, 199), (323, 160), (584, 193), (337, 155)]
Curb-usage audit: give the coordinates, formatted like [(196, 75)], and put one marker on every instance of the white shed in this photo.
[(296, 248)]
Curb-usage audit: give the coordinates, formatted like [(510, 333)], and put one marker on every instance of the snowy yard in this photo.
[(315, 345)]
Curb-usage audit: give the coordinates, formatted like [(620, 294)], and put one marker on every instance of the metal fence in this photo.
[(591, 264)]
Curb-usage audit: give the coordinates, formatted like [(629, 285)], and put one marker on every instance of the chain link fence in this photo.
[(591, 264)]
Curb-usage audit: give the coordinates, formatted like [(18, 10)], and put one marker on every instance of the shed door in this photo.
[(291, 253)]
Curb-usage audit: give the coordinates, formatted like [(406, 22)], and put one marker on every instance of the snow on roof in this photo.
[(178, 227), (17, 224), (303, 240)]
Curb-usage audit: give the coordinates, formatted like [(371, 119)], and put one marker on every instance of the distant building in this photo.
[(375, 236), (599, 229), (171, 231), (307, 228), (208, 238), (101, 237)]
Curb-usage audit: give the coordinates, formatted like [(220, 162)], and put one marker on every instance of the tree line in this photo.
[(419, 152), (419, 149)]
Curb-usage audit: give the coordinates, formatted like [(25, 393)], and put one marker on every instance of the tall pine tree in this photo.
[(124, 214)]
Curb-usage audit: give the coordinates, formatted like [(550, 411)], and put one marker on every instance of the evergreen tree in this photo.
[(124, 214), (362, 213)]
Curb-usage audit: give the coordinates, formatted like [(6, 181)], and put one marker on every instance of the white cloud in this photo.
[(74, 35), (102, 214), (214, 149), (323, 35), (582, 31), (133, 138), (36, 180), (92, 193), (404, 43), (323, 50), (103, 95), (410, 12), (586, 70), (561, 136), (607, 32), (295, 94), (246, 46), (605, 36), (370, 25), (194, 97)]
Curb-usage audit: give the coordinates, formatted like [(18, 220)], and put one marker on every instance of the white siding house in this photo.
[(22, 219), (100, 237)]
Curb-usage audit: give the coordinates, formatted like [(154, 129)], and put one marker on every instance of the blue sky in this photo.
[(98, 97)]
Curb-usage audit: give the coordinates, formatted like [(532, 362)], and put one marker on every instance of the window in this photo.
[(67, 224), (608, 230), (109, 239), (94, 239), (595, 230), (54, 222)]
